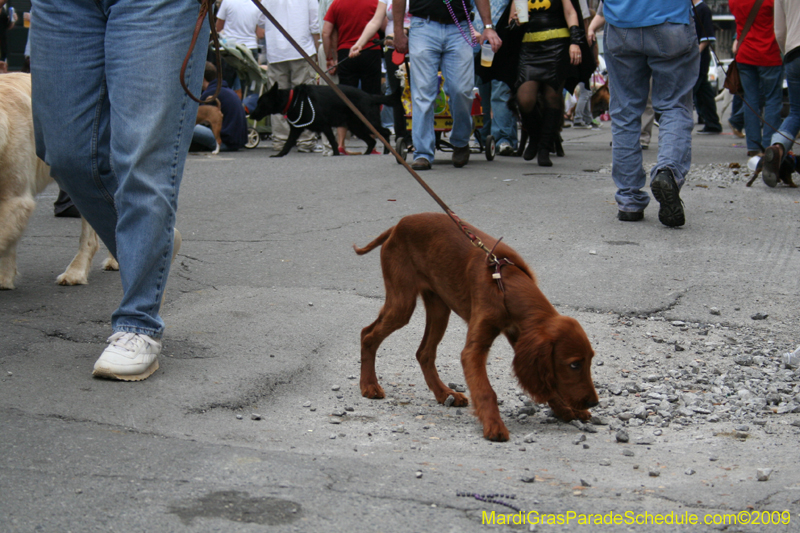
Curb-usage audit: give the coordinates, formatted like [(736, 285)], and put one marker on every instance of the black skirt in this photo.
[(544, 61)]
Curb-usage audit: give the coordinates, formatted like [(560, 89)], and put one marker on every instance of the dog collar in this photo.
[(291, 95)]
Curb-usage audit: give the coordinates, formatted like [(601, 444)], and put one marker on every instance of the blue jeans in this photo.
[(583, 109), (666, 52), (114, 124), (203, 136), (762, 86), (736, 119), (498, 120), (432, 47), (791, 124)]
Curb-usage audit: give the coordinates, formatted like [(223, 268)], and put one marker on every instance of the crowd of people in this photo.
[(117, 146)]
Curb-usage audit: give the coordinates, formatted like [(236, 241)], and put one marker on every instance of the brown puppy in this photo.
[(427, 255), (211, 115), (22, 177)]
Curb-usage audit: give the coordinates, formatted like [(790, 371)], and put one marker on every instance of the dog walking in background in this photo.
[(319, 109), (427, 255), (22, 177)]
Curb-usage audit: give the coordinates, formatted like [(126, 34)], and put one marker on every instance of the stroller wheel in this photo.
[(253, 138), (402, 148), (490, 147)]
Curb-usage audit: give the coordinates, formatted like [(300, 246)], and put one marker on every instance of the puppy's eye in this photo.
[(575, 366)]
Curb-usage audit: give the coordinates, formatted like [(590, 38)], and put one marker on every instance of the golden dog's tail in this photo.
[(374, 244)]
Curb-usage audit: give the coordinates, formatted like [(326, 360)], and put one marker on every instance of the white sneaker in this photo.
[(128, 357), (505, 148)]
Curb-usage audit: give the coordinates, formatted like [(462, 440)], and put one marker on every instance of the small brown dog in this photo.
[(211, 115), (428, 255)]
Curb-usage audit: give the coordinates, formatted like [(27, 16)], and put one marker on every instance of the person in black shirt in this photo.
[(440, 37), (703, 93), (234, 120)]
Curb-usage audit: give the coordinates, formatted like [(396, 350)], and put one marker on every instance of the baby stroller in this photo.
[(254, 79)]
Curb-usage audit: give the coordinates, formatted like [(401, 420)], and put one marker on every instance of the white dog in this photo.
[(22, 177)]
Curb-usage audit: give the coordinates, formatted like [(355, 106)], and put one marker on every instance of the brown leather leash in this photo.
[(207, 9)]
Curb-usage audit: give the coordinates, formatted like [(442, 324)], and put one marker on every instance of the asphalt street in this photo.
[(255, 421)]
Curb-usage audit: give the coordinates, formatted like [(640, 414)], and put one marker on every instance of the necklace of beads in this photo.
[(471, 39)]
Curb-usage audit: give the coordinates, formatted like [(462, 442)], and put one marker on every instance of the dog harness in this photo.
[(294, 122)]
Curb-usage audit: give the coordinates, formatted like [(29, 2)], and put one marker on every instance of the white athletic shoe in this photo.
[(128, 357)]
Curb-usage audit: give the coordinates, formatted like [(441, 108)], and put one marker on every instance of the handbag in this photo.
[(733, 82)]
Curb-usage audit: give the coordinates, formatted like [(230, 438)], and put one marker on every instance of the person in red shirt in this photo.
[(761, 71), (348, 18)]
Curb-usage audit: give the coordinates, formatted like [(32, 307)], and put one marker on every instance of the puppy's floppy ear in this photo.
[(274, 88), (533, 364)]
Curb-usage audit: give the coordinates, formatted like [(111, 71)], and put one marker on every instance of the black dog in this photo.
[(319, 109)]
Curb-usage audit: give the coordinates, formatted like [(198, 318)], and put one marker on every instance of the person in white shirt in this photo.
[(238, 22), (287, 67)]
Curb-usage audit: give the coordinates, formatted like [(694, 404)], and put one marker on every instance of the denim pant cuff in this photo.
[(141, 331)]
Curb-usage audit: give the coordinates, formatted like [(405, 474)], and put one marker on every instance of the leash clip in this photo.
[(498, 264)]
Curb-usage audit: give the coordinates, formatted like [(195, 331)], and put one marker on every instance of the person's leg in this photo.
[(751, 83), (398, 113), (551, 118), (349, 74), (326, 145), (151, 133), (458, 70), (791, 124), (203, 138), (783, 139), (279, 73), (370, 67), (648, 119), (670, 54), (772, 94), (71, 118), (671, 51), (629, 85), (485, 91), (64, 206), (707, 106), (124, 145), (425, 55), (583, 110), (736, 119), (300, 72), (504, 123)]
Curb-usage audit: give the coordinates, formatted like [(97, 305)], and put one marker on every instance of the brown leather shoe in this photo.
[(460, 156), (421, 164)]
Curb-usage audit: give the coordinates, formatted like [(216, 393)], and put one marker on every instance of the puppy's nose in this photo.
[(592, 403)]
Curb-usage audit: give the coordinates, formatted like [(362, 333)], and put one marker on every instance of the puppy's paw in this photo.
[(374, 392), (110, 263), (72, 278), (496, 431), (461, 399), (583, 414)]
